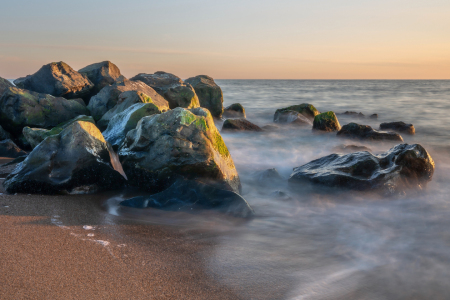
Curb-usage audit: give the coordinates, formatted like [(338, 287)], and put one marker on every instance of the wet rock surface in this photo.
[(209, 94), (326, 121), (239, 125), (398, 126), (398, 170), (365, 132)]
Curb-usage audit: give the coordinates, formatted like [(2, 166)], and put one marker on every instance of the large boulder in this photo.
[(209, 94), (161, 81), (235, 110), (285, 115), (179, 143), (9, 149), (398, 126), (77, 158), (190, 194), (365, 132), (102, 74), (401, 168), (326, 121), (20, 108), (239, 125), (35, 136), (182, 96), (4, 84), (57, 79), (108, 97), (127, 120)]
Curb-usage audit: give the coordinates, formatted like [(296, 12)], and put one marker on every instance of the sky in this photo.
[(245, 39)]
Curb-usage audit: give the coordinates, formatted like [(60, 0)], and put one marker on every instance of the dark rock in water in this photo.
[(401, 168), (365, 132), (4, 84), (235, 110), (108, 97), (35, 136), (127, 120), (209, 94), (190, 194), (308, 110), (292, 118), (351, 148), (182, 96), (4, 135), (20, 108), (353, 114), (57, 79), (268, 177), (9, 149), (77, 157), (374, 116), (271, 127), (101, 74), (239, 125), (326, 121), (161, 81), (178, 143), (399, 126)]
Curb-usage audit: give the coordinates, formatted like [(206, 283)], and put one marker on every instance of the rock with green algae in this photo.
[(77, 159), (209, 94), (182, 96), (180, 143), (307, 110), (127, 120), (20, 108), (235, 110), (57, 79), (108, 97), (4, 84), (326, 121), (365, 132), (35, 136)]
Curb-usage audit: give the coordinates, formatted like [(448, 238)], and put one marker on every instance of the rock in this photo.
[(127, 120), (4, 135), (365, 132), (178, 143), (209, 94), (326, 121), (4, 84), (57, 79), (374, 116), (235, 110), (271, 127), (182, 96), (161, 81), (399, 126), (292, 118), (101, 74), (9, 149), (401, 168), (268, 177), (77, 157), (7, 168), (20, 108), (108, 97), (353, 114), (189, 194), (351, 148), (239, 125), (307, 110), (35, 136)]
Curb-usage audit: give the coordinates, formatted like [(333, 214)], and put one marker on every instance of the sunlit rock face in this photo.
[(20, 108), (326, 121), (70, 161), (365, 132), (209, 94), (101, 74), (180, 143), (398, 170), (108, 97), (57, 79)]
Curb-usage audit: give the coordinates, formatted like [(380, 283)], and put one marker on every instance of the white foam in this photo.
[(88, 227)]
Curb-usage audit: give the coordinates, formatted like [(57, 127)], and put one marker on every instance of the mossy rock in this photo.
[(307, 110), (326, 121), (209, 94), (182, 96)]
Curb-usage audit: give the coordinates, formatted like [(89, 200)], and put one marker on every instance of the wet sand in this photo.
[(67, 247)]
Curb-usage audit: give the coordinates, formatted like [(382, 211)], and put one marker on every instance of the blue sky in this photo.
[(282, 39)]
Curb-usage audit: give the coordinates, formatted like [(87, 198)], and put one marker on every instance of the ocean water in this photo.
[(329, 244)]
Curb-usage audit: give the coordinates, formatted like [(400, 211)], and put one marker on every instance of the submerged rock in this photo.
[(239, 125), (235, 110), (353, 114), (307, 110), (189, 194), (374, 116), (326, 121), (127, 120), (209, 94), (57, 79), (365, 132), (101, 74), (77, 157), (4, 84), (35, 136), (271, 127), (401, 168), (108, 97), (268, 177), (9, 149), (292, 118), (399, 126), (20, 108), (178, 143), (351, 148)]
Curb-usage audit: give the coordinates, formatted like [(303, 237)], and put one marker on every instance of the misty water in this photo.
[(330, 244)]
